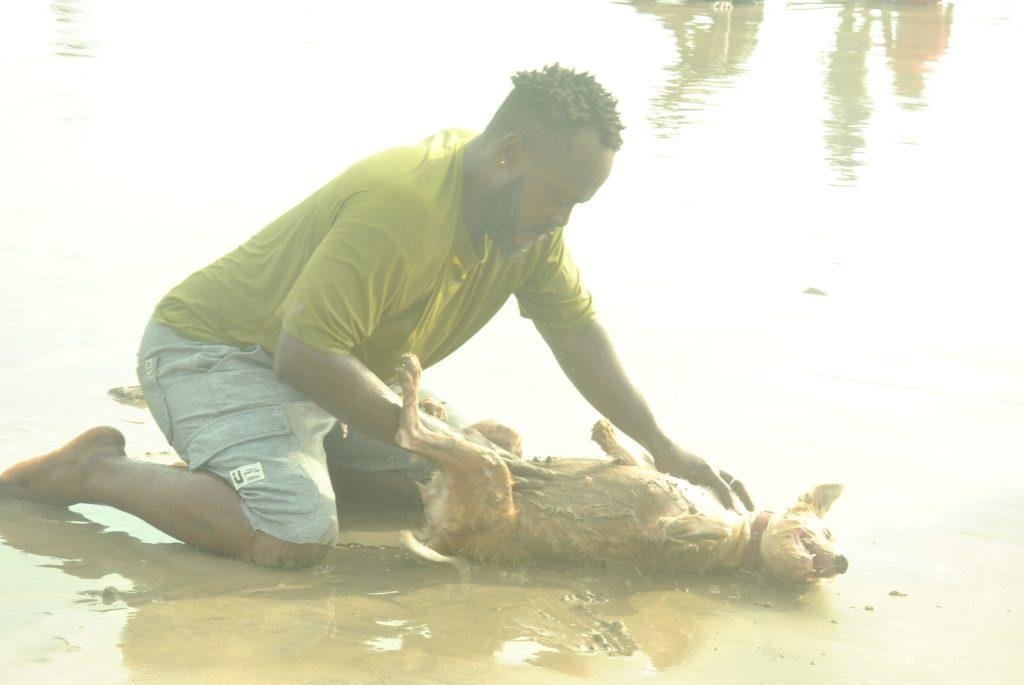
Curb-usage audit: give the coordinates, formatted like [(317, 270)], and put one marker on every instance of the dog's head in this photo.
[(797, 546)]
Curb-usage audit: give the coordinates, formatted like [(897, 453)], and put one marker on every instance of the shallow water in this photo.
[(865, 150)]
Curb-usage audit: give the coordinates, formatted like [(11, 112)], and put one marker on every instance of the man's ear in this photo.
[(820, 498), (511, 151)]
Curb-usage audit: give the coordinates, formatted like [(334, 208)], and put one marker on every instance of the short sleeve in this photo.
[(551, 293), (344, 289)]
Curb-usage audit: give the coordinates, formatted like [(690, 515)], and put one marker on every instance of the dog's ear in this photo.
[(820, 498)]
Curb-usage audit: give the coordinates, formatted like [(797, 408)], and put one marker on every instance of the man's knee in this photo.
[(270, 551)]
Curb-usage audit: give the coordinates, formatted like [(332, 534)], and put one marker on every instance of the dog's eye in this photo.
[(827, 533)]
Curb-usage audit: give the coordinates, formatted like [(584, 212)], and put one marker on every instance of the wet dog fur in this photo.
[(484, 504)]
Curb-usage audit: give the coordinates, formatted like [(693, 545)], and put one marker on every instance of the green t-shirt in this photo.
[(378, 263)]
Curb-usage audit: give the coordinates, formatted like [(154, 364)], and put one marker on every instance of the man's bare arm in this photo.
[(588, 359), (342, 385)]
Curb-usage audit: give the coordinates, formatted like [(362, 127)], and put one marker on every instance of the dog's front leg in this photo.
[(603, 434), (696, 528)]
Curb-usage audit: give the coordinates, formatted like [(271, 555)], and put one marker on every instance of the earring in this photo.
[(502, 164)]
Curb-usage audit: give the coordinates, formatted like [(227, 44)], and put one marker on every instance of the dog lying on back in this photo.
[(486, 505)]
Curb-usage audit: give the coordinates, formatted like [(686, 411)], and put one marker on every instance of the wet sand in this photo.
[(855, 149), (102, 605)]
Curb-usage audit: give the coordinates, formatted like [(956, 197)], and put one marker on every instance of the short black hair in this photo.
[(549, 105)]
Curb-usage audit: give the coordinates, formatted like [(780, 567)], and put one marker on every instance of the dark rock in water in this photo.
[(815, 291), (130, 395)]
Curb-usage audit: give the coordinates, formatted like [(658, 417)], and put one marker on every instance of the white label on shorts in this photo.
[(250, 473)]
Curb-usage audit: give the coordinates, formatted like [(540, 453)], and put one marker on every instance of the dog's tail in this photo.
[(423, 552)]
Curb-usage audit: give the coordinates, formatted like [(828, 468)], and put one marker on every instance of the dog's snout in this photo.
[(841, 564)]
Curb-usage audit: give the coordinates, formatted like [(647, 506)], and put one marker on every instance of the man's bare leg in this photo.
[(389, 488), (196, 507)]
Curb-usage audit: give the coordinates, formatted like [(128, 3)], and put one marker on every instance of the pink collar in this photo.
[(751, 558)]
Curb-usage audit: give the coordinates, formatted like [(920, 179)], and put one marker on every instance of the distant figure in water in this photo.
[(248, 363)]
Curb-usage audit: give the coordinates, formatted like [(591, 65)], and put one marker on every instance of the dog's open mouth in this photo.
[(822, 562)]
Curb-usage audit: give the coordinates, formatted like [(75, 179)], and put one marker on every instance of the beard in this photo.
[(501, 215)]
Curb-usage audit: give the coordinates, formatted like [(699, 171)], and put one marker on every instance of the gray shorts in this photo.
[(223, 409)]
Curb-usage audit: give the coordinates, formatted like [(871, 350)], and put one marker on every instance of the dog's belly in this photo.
[(599, 511)]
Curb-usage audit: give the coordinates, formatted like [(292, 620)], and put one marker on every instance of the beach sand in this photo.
[(861, 150)]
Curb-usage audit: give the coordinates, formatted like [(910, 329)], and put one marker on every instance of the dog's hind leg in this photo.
[(447, 449), (477, 492)]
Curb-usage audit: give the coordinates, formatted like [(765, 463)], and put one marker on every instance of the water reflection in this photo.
[(847, 92), (72, 29), (913, 36), (73, 39), (373, 609), (713, 48)]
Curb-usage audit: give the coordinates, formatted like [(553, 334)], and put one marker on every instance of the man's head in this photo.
[(550, 146)]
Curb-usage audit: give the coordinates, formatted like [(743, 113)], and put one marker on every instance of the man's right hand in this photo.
[(341, 384)]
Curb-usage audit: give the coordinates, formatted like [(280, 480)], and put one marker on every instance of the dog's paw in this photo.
[(603, 433), (432, 407), (408, 374)]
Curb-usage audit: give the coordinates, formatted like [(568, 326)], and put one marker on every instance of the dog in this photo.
[(486, 505)]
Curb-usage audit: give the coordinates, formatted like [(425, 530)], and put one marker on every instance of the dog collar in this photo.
[(751, 558)]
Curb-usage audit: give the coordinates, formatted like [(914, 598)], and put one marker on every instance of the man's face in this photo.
[(543, 189)]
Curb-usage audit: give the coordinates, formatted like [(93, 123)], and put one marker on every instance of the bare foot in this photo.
[(60, 477)]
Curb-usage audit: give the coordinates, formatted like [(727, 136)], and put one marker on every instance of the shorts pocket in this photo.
[(244, 379), (154, 396), (240, 429), (258, 452)]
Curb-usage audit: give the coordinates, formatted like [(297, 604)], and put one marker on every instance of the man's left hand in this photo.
[(675, 461)]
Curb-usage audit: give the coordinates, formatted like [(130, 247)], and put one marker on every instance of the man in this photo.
[(247, 363)]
